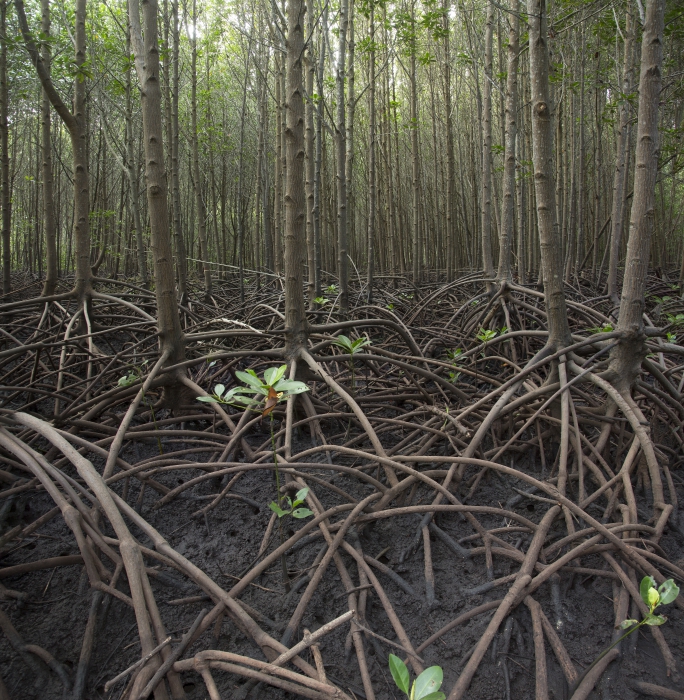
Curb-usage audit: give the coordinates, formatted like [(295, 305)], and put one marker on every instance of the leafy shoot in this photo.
[(425, 687)]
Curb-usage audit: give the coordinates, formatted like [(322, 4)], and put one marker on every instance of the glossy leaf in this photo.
[(399, 673), (428, 682), (207, 399), (277, 509), (291, 387), (274, 374), (655, 620), (439, 695), (646, 583), (219, 390), (301, 495), (301, 513), (668, 590), (250, 379), (628, 623)]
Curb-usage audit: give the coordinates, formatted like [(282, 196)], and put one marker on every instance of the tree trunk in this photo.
[(372, 193), (4, 156), (508, 208), (49, 221), (542, 158), (310, 162), (341, 143), (147, 65), (415, 156), (181, 255), (450, 232), (628, 355), (196, 175), (486, 212), (295, 197), (617, 211)]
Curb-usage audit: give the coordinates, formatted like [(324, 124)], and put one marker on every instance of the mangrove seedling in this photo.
[(351, 347), (654, 597), (425, 687), (484, 335), (292, 507)]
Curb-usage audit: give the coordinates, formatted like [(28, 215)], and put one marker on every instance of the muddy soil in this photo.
[(225, 545)]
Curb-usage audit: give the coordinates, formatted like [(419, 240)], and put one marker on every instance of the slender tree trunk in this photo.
[(240, 207), (508, 208), (619, 179), (486, 212), (146, 53), (542, 158), (628, 355), (581, 187), (450, 232), (341, 143), (310, 161), (4, 156), (49, 222), (295, 196), (132, 175), (196, 174), (415, 158), (520, 190), (181, 254), (319, 155), (372, 192), (278, 195)]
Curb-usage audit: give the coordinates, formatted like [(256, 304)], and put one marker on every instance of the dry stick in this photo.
[(115, 447), (318, 659), (360, 415), (111, 683), (130, 551), (542, 682), (172, 657), (511, 597)]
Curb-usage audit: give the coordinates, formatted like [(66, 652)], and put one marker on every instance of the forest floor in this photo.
[(469, 556)]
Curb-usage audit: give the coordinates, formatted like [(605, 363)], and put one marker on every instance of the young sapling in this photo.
[(425, 687)]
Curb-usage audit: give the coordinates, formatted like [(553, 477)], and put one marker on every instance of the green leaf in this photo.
[(274, 374), (434, 696), (207, 399), (655, 620), (300, 513), (628, 623), (668, 590), (428, 682), (291, 387), (250, 379), (277, 509), (399, 673), (344, 343), (301, 495), (646, 583), (219, 390)]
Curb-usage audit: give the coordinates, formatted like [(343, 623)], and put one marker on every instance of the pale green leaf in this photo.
[(399, 673)]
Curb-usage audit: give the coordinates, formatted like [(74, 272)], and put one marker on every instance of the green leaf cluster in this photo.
[(351, 346), (292, 507), (425, 687)]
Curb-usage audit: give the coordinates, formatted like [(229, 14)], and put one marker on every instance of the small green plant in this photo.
[(671, 337), (292, 507), (351, 347), (454, 354), (133, 375), (654, 597), (675, 320), (390, 306), (605, 328), (321, 301), (331, 289), (485, 335), (453, 377), (425, 687)]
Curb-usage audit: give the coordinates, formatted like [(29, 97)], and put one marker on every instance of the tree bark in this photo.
[(486, 212), (6, 200), (146, 53), (619, 179), (341, 143), (372, 192), (196, 175), (508, 207), (542, 158), (415, 156), (628, 355), (310, 162), (49, 221), (76, 124), (295, 197)]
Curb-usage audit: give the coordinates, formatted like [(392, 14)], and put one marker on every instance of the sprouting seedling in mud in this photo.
[(291, 507), (425, 687), (605, 328), (454, 354), (331, 289), (133, 375), (485, 335), (351, 347), (321, 301), (653, 597)]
